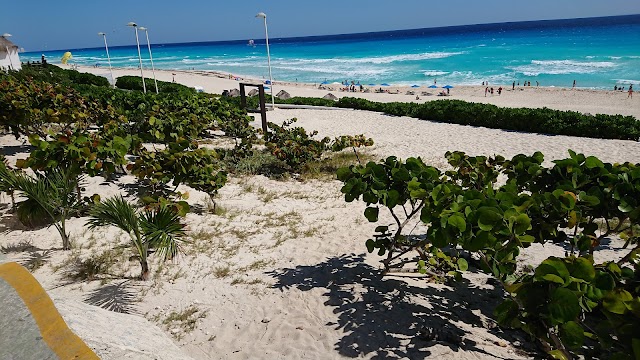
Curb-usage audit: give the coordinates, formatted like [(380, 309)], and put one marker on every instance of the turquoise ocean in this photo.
[(595, 52)]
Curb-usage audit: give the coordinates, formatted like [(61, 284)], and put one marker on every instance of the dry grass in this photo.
[(185, 321), (326, 168)]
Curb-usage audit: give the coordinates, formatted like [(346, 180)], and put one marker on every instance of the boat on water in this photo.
[(251, 43)]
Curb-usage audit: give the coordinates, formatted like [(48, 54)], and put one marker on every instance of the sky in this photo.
[(39, 25)]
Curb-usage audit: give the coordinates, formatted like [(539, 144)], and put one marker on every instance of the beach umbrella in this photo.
[(447, 87), (372, 85), (433, 87), (415, 86), (65, 57), (268, 82), (325, 83), (266, 88), (384, 84)]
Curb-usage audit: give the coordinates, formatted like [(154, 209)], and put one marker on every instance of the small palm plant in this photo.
[(52, 193), (6, 180), (159, 228)]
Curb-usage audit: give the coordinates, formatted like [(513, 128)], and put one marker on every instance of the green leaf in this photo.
[(521, 223), (553, 266), (572, 335), (593, 162), (582, 268), (563, 306), (458, 221), (462, 264), (614, 301), (371, 213), (604, 281), (488, 218), (553, 278)]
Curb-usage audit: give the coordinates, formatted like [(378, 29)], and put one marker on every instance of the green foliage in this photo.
[(164, 87), (159, 228), (545, 121), (572, 305), (54, 192), (27, 107), (79, 152), (179, 164), (296, 147), (57, 75)]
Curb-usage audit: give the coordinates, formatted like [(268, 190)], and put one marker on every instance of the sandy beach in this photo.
[(283, 271), (560, 98)]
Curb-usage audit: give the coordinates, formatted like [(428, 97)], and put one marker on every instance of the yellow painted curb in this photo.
[(55, 332)]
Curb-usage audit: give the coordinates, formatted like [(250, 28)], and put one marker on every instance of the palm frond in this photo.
[(115, 211), (7, 178), (163, 231)]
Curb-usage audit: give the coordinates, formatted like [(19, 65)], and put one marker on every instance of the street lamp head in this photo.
[(101, 34), (132, 24), (142, 28), (6, 35), (261, 15)]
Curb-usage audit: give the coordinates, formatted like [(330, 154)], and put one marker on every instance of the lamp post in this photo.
[(104, 36), (153, 69), (6, 35), (266, 33), (135, 27)]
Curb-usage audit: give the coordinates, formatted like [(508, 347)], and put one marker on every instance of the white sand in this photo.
[(583, 100), (284, 273)]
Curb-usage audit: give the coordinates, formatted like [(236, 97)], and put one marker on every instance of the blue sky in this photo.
[(59, 25)]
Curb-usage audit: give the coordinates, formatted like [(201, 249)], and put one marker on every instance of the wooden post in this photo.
[(243, 97), (263, 108)]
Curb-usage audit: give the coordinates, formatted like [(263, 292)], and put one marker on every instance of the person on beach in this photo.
[(500, 90), (486, 90), (537, 84), (491, 91), (574, 84), (630, 92), (514, 86)]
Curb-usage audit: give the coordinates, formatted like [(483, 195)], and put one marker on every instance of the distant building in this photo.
[(9, 58)]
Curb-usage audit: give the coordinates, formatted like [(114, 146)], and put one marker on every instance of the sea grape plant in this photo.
[(572, 305), (295, 146)]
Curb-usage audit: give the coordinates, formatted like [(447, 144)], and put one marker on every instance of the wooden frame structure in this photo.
[(263, 108)]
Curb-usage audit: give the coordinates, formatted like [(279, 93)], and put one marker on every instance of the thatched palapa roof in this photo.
[(330, 96), (5, 43), (283, 95)]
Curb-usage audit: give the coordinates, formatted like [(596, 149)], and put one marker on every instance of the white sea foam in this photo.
[(626, 81), (434, 72), (559, 67)]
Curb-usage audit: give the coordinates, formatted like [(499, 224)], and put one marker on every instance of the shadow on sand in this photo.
[(117, 297), (391, 317)]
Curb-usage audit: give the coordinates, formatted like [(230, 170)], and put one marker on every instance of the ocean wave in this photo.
[(434, 72), (378, 59), (560, 67), (339, 72), (626, 81)]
